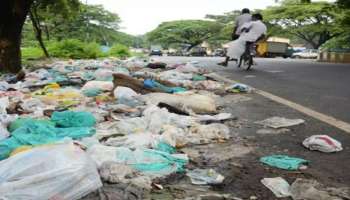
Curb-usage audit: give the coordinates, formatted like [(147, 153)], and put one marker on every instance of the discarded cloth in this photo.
[(284, 162), (278, 186), (73, 119), (50, 172), (322, 143), (280, 122), (205, 177)]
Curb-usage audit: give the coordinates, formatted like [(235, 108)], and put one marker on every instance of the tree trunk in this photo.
[(38, 31), (12, 16)]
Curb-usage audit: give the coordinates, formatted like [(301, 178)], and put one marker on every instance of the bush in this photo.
[(76, 49), (32, 53), (119, 51)]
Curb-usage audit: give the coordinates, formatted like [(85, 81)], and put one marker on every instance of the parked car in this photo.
[(307, 53), (198, 52), (156, 52), (219, 53)]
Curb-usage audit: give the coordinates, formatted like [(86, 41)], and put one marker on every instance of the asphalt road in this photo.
[(323, 87)]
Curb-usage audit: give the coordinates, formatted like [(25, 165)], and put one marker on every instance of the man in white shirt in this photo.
[(250, 32), (240, 20)]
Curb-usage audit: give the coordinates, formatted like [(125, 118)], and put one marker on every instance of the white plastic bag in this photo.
[(278, 186), (322, 143), (102, 85), (4, 103), (184, 101), (280, 122), (205, 176), (139, 140), (5, 120), (124, 93), (61, 171)]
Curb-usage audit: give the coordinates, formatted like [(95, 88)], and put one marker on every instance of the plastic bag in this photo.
[(33, 132), (188, 68), (102, 85), (93, 92), (119, 173), (238, 88), (156, 118), (5, 120), (32, 105), (202, 134), (280, 122), (183, 101), (322, 143), (308, 189), (278, 186), (284, 162), (73, 119), (152, 84), (139, 140), (52, 172), (4, 103), (205, 177), (149, 162)]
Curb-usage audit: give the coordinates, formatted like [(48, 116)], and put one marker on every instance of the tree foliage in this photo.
[(314, 22), (184, 32)]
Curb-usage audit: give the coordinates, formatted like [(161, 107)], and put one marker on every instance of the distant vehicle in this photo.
[(156, 52), (273, 49), (198, 52), (307, 53), (219, 53)]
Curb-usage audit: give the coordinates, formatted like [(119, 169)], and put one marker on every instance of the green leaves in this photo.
[(184, 32), (315, 22)]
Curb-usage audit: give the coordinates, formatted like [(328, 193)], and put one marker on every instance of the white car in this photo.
[(307, 53)]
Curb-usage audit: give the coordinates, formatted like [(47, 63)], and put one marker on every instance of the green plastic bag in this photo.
[(93, 92), (283, 162), (198, 78), (24, 121), (73, 119), (151, 162), (162, 146), (38, 133)]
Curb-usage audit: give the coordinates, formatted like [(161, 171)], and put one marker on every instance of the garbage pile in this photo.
[(76, 125)]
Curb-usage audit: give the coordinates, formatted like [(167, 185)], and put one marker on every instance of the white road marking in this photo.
[(308, 111), (274, 71)]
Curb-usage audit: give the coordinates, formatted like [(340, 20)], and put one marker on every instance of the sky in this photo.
[(141, 16)]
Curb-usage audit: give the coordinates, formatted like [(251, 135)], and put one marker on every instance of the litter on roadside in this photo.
[(284, 162), (62, 171), (205, 177), (322, 143), (309, 189), (239, 88), (278, 186), (280, 122)]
